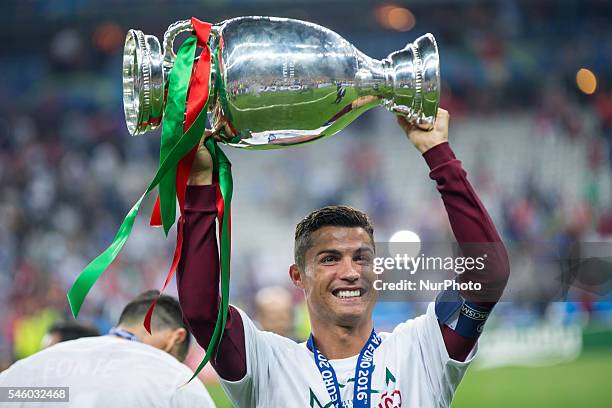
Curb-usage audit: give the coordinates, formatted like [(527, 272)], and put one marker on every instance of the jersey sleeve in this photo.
[(422, 337), (476, 235), (258, 346), (198, 283), (472, 226)]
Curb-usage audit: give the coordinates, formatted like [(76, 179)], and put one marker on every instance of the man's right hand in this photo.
[(202, 167)]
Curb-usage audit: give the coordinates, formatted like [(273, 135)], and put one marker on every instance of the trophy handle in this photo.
[(169, 36)]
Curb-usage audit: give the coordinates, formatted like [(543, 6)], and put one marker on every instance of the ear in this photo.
[(296, 276), (176, 337)]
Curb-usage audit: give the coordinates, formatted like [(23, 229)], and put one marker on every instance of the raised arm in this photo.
[(198, 273), (470, 222)]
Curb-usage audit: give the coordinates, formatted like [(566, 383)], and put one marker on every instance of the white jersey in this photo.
[(411, 369), (106, 371)]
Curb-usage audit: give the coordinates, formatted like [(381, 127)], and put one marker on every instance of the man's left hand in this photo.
[(424, 140)]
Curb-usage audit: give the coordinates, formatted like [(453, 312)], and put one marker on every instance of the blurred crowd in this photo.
[(69, 171)]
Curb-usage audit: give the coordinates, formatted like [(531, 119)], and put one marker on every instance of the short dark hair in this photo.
[(167, 314), (73, 330), (334, 216)]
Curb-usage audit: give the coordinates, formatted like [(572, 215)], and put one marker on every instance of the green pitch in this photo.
[(218, 395), (585, 382)]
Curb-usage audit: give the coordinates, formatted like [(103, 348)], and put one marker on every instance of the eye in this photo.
[(328, 259), (363, 259)]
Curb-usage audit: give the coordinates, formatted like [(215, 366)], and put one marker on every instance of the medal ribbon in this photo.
[(124, 334), (363, 373)]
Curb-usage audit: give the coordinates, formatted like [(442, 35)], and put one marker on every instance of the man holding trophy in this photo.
[(345, 363), (268, 83)]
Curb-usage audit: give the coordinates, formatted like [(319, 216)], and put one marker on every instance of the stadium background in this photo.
[(528, 86)]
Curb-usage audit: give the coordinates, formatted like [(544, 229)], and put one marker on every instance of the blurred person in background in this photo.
[(275, 311), (127, 368), (64, 331)]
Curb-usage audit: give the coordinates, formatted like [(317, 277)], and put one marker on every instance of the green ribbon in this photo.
[(179, 77), (172, 128)]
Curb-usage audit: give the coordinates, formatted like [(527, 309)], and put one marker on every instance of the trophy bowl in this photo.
[(280, 82)]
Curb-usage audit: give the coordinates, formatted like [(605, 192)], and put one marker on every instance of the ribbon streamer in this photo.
[(178, 148), (196, 103), (93, 271)]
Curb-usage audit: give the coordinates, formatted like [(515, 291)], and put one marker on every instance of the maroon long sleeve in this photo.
[(198, 284), (476, 235)]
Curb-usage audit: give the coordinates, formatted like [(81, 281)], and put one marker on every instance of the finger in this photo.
[(228, 130), (218, 127), (202, 144), (214, 131), (404, 124), (409, 128), (205, 136), (442, 119), (443, 114)]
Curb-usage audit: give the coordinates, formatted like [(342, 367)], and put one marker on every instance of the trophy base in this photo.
[(415, 76)]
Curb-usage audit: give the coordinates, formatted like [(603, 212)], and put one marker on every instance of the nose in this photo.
[(348, 271)]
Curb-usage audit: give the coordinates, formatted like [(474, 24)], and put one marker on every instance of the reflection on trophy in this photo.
[(280, 82)]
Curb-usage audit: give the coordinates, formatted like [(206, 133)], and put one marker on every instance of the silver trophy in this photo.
[(281, 82)]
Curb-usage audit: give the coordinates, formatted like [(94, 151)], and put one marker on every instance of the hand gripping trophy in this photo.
[(261, 82)]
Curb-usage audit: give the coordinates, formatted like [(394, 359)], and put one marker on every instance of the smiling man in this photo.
[(345, 362)]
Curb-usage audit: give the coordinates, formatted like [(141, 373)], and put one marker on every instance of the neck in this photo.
[(138, 332), (336, 342)]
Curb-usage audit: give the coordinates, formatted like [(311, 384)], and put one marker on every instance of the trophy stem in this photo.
[(374, 77)]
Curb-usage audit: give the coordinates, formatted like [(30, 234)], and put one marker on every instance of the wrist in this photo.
[(200, 179), (428, 145)]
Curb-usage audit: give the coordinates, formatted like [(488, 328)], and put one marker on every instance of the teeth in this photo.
[(348, 293)]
